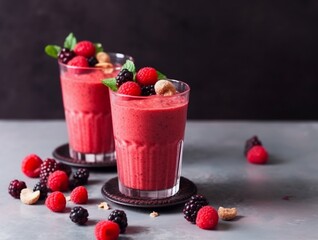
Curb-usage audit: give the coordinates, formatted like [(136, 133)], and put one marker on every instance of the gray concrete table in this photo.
[(278, 200)]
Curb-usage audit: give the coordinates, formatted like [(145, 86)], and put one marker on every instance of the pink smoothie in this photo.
[(87, 110), (149, 135)]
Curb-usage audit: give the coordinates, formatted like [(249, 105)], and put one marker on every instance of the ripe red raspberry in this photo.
[(130, 88), (85, 49), (78, 61), (147, 76), (207, 218), (58, 181), (56, 201), (107, 230), (258, 155), (31, 166), (79, 195)]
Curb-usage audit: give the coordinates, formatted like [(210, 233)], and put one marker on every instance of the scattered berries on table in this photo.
[(107, 230), (44, 190), (251, 142), (207, 218), (79, 61), (47, 167), (257, 155), (31, 165), (192, 207), (79, 215), (56, 201), (147, 76), (66, 55), (124, 76), (148, 90), (82, 175), (119, 217), (85, 49), (130, 88), (15, 188), (79, 195), (58, 181)]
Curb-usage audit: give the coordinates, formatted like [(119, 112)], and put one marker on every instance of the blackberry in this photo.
[(119, 217), (65, 168), (79, 215), (92, 61), (253, 141), (42, 188), (124, 76), (66, 55), (148, 90), (192, 207), (15, 188), (47, 167), (73, 183), (81, 175)]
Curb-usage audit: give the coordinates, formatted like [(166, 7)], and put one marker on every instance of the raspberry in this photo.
[(106, 230), (31, 165), (119, 217), (78, 61), (15, 188), (148, 90), (66, 55), (47, 167), (42, 188), (79, 215), (207, 218), (130, 88), (81, 175), (253, 141), (258, 155), (85, 49), (192, 207), (124, 76), (147, 76), (58, 181), (79, 195), (56, 201)]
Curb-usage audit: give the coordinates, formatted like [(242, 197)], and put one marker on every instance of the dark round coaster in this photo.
[(110, 191), (62, 154)]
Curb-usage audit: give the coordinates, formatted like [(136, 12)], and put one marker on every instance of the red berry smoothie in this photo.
[(149, 134)]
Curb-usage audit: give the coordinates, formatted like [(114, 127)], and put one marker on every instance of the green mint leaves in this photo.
[(130, 66), (161, 75), (52, 50), (99, 47), (70, 41), (111, 83)]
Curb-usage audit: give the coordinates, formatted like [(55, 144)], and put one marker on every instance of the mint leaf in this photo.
[(111, 83), (70, 41), (52, 50), (99, 47), (161, 76), (130, 66)]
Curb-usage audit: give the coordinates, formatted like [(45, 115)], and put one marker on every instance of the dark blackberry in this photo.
[(79, 215), (66, 55), (73, 183), (92, 61), (253, 141), (65, 168), (47, 167), (15, 188), (192, 207), (81, 175), (124, 76), (42, 188), (119, 217), (148, 90)]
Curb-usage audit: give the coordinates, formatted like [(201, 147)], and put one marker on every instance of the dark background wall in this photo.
[(243, 59)]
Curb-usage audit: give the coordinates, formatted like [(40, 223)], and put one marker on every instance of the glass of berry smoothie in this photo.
[(149, 134), (87, 107)]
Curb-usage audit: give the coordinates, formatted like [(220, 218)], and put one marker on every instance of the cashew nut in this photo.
[(227, 213), (27, 196), (165, 88), (102, 57)]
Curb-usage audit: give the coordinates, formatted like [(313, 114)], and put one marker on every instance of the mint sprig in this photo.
[(161, 75), (111, 83), (52, 50), (70, 41), (99, 47)]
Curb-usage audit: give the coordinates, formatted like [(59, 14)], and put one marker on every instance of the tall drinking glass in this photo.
[(149, 135), (87, 110)]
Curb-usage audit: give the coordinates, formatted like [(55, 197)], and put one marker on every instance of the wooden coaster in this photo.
[(110, 191), (62, 154)]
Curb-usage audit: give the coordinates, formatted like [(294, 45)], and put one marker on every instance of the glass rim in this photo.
[(186, 91), (111, 54)]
